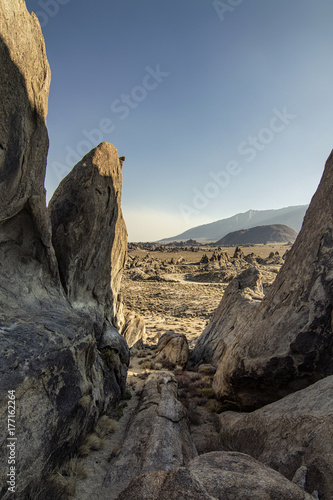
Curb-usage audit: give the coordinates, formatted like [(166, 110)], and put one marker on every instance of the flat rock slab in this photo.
[(158, 437)]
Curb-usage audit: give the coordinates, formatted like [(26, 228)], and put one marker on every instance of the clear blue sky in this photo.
[(219, 107)]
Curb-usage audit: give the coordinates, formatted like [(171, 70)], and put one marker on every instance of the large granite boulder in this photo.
[(294, 432), (215, 476), (172, 350), (286, 343), (89, 233), (158, 437), (65, 366), (242, 296), (134, 329)]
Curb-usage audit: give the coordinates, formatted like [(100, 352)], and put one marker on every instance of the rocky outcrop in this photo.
[(215, 476), (89, 233), (242, 296), (172, 350), (134, 328), (158, 437), (286, 343), (295, 432), (66, 367)]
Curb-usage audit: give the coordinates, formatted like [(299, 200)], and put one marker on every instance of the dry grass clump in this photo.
[(92, 443), (61, 483), (85, 401), (105, 425), (146, 365), (142, 354), (207, 392)]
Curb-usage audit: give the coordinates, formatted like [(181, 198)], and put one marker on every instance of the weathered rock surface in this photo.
[(215, 476), (288, 434), (49, 352), (158, 438), (242, 296), (172, 349), (286, 343), (134, 328), (89, 233)]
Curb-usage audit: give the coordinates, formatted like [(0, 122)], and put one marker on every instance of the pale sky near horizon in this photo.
[(218, 106)]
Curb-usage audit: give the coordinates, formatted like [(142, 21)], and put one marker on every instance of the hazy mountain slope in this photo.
[(274, 233), (289, 216)]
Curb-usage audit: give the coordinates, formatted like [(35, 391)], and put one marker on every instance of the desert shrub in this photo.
[(126, 395), (193, 416), (195, 388), (91, 443), (207, 380), (61, 483), (142, 354), (50, 487), (202, 401), (183, 381), (118, 411), (146, 365), (167, 365), (207, 369), (105, 425), (207, 392), (214, 406)]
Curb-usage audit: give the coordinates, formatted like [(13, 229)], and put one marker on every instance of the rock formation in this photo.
[(89, 233), (52, 355), (286, 343), (172, 349), (294, 432), (241, 297), (158, 438), (215, 476), (134, 328)]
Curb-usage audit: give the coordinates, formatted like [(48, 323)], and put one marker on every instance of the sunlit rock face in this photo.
[(89, 233), (286, 343)]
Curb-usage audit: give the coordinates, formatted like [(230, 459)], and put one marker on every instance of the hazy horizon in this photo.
[(218, 108)]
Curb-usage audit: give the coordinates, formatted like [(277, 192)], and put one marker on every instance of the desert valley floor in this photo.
[(172, 290)]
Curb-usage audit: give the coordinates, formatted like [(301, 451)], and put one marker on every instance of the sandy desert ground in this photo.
[(172, 290)]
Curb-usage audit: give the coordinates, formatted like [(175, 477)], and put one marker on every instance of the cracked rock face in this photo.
[(294, 432), (286, 343), (49, 351), (89, 233), (242, 296), (158, 438), (215, 476)]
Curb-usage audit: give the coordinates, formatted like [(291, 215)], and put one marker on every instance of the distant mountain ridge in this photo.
[(288, 216), (273, 233)]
